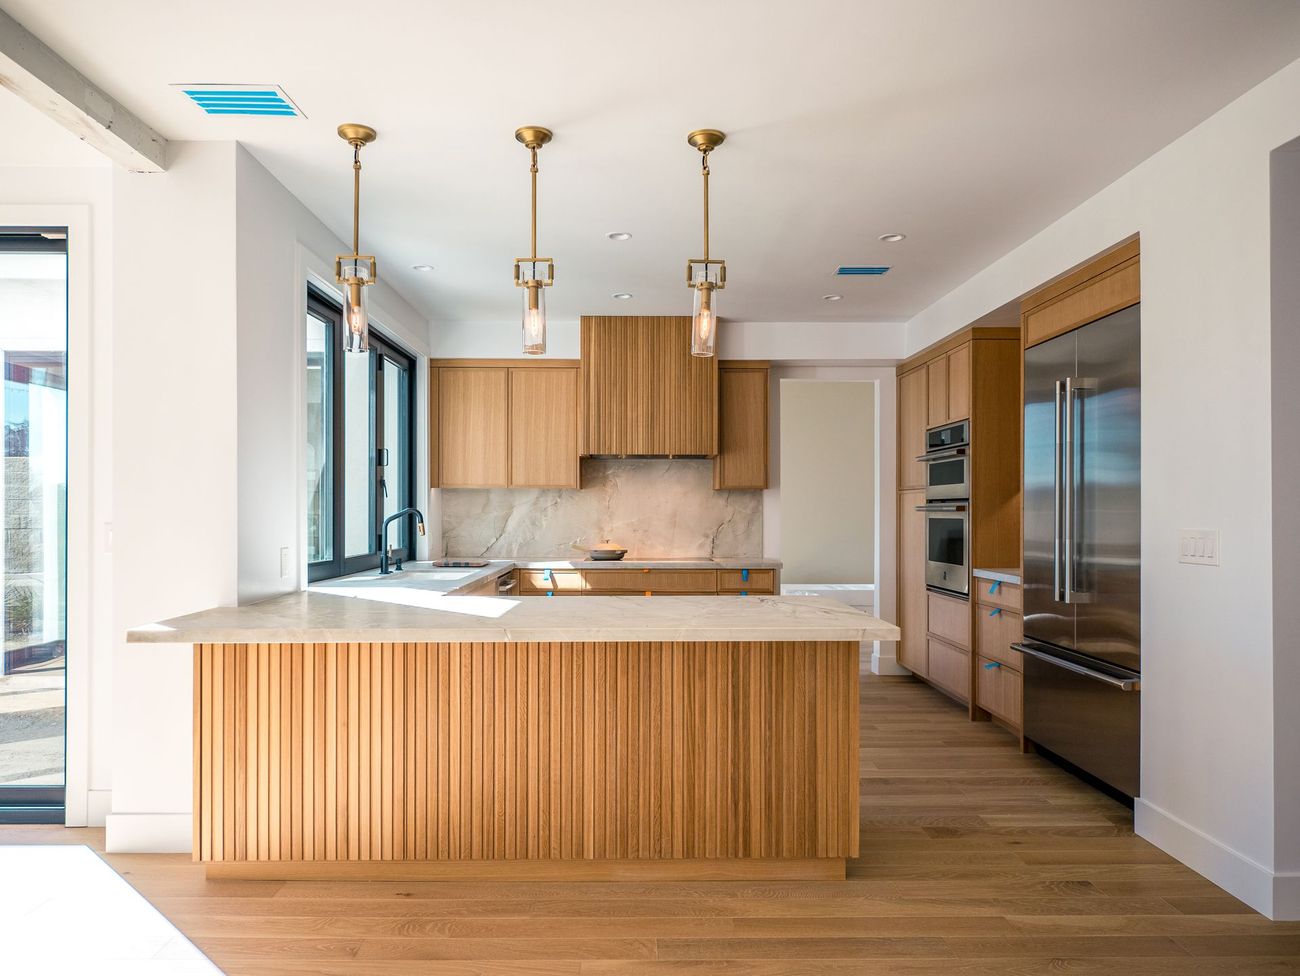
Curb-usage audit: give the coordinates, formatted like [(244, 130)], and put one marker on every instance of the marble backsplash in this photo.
[(654, 508)]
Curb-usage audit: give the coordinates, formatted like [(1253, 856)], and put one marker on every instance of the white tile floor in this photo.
[(63, 910)]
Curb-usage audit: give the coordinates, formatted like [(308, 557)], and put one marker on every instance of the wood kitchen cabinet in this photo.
[(544, 428), (502, 424), (912, 421), (473, 427), (912, 653), (948, 379), (644, 394), (742, 426), (1110, 282), (999, 668)]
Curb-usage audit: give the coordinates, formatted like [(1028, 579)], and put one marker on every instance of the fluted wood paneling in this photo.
[(642, 390), (565, 751)]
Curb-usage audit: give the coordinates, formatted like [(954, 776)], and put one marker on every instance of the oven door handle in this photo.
[(942, 507), (945, 455)]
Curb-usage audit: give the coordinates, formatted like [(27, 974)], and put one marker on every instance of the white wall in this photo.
[(1285, 340), (279, 244), (828, 481), (1209, 737), (176, 453)]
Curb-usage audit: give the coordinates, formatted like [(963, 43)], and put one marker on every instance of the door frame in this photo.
[(88, 555)]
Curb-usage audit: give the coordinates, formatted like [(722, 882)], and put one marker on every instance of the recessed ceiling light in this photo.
[(619, 235), (421, 267), (622, 296), (892, 238), (831, 298)]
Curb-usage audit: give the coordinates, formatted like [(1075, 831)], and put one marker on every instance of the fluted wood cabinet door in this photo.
[(643, 392)]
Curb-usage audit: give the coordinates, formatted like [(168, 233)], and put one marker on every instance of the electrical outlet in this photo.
[(284, 562), (1200, 547)]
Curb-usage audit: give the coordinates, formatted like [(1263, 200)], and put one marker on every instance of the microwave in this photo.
[(947, 462)]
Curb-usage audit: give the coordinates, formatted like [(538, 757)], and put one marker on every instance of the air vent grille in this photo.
[(856, 270), (242, 100)]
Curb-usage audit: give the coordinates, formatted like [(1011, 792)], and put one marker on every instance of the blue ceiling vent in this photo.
[(854, 270), (242, 100)]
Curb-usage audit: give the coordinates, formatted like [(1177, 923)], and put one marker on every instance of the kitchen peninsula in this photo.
[(399, 731)]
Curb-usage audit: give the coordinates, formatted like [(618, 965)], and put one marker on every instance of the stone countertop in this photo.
[(718, 562), (397, 611), (998, 575)]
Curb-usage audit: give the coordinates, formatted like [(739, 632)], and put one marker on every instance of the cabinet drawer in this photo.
[(996, 630), (733, 581), (950, 619), (997, 594), (652, 580), (535, 581), (950, 668), (998, 689)]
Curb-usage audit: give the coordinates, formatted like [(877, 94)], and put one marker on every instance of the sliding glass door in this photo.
[(34, 488)]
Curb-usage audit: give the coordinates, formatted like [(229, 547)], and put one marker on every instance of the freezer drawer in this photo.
[(1085, 718)]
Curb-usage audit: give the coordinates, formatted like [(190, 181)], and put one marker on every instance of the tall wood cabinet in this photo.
[(503, 424), (644, 393), (973, 375), (742, 426)]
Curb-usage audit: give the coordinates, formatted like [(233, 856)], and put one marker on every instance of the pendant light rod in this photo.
[(533, 172), (704, 165), (356, 136), (534, 137)]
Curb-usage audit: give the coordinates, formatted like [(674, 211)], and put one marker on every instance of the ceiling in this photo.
[(967, 126)]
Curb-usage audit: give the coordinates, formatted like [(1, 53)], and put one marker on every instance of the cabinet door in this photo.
[(911, 428), (912, 620), (959, 379), (742, 429), (543, 427), (937, 382), (472, 433)]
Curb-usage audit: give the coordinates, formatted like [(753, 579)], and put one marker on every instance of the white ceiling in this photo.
[(966, 125)]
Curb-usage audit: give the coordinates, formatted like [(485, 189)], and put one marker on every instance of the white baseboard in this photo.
[(883, 660), (1276, 896), (99, 804), (148, 833)]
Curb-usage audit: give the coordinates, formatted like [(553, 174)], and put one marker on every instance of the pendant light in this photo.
[(355, 271), (705, 275), (526, 269)]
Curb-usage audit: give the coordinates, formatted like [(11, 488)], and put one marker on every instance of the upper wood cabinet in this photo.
[(496, 425), (912, 421), (742, 426), (1104, 285), (544, 428), (473, 449), (643, 392), (948, 378)]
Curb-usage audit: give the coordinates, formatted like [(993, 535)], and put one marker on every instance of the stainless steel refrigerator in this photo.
[(1082, 548)]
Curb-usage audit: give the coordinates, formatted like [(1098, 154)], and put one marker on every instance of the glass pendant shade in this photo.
[(356, 336), (534, 318), (704, 320)]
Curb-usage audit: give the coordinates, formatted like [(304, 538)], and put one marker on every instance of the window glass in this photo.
[(320, 439), (358, 453)]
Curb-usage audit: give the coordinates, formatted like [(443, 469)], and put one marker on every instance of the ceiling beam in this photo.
[(36, 74)]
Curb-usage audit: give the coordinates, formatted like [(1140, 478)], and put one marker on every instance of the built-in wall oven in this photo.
[(947, 463), (947, 546)]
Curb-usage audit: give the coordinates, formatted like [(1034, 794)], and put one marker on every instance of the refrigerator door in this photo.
[(1105, 497), (1047, 616)]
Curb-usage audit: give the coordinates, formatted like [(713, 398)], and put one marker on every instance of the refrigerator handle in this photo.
[(1057, 592), (1123, 684), (1067, 493)]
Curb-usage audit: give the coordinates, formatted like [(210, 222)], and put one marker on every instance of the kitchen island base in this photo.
[(530, 761)]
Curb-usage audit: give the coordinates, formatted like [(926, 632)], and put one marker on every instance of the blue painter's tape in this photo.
[(997, 585), (550, 593), (546, 575), (995, 613), (744, 575), (991, 665)]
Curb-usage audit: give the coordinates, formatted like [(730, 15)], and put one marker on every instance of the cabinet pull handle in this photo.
[(744, 575), (995, 586), (546, 576), (995, 613), (550, 593), (991, 665)]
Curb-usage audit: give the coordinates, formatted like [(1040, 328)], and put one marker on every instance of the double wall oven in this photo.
[(947, 507)]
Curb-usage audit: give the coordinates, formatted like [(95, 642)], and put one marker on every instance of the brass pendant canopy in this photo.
[(527, 275), (356, 270), (705, 275)]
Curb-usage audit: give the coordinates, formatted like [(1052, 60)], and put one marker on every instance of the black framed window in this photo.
[(360, 445)]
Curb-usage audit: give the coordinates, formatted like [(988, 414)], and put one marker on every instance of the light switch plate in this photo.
[(1200, 547)]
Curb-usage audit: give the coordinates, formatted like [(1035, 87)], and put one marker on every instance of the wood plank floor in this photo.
[(976, 861)]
